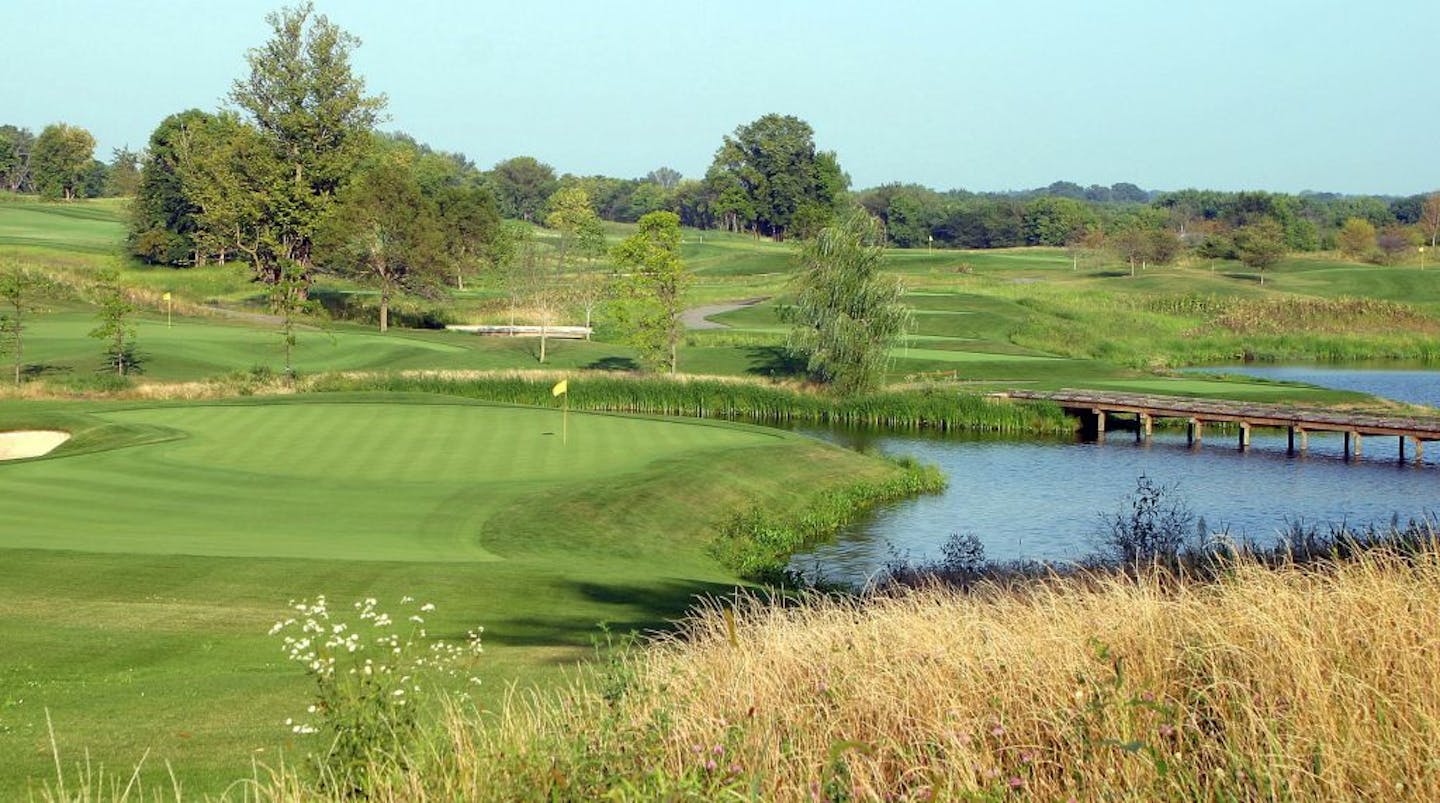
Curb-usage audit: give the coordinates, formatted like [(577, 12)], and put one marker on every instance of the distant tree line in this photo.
[(60, 164)]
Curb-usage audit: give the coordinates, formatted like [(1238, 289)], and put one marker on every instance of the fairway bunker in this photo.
[(32, 443)]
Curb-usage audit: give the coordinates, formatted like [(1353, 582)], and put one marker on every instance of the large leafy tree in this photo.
[(770, 175), (313, 122), (522, 185), (162, 215), (653, 293), (847, 314), (384, 233), (62, 160)]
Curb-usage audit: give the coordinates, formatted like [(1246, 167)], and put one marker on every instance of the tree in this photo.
[(1260, 245), (313, 120), (1356, 238), (1054, 221), (384, 233), (847, 314), (522, 186), (664, 177), (654, 291), (1430, 217), (469, 223), (16, 147), (773, 164), (162, 215), (123, 175), (61, 160), (115, 327), (1394, 242), (21, 290)]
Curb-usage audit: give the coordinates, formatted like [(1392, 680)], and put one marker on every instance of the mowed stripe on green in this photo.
[(361, 481)]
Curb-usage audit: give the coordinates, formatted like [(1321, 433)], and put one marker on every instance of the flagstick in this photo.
[(169, 306), (565, 420)]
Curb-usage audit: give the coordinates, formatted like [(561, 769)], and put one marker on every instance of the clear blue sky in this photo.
[(986, 95)]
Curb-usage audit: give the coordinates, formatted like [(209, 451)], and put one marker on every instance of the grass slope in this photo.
[(141, 566)]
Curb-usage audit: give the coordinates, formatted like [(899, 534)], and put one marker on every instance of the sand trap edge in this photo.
[(21, 444)]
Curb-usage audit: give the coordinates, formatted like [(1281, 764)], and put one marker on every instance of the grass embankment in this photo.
[(142, 562), (1292, 683)]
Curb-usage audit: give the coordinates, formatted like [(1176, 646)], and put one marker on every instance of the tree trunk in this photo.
[(384, 310), (542, 341)]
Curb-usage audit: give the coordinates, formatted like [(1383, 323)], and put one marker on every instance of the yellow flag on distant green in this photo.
[(166, 296), (561, 388)]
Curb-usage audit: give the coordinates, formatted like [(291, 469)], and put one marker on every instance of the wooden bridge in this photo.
[(1094, 408)]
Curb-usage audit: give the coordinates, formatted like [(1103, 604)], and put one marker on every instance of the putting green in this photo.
[(359, 481)]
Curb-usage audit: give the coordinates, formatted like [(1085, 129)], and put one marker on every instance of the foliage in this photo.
[(1152, 525), (847, 314), (263, 184), (60, 161), (17, 147), (1260, 245), (757, 544), (522, 186), (1356, 239), (372, 675), (22, 290), (384, 233), (769, 174), (116, 324), (653, 293)]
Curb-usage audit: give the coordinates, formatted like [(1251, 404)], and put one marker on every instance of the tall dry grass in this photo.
[(1314, 683)]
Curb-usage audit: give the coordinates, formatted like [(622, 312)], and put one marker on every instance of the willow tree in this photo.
[(847, 315)]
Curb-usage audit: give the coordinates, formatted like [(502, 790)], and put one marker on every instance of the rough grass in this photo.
[(1296, 683)]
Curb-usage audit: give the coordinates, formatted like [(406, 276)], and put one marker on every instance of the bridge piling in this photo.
[(1244, 436), (1194, 432)]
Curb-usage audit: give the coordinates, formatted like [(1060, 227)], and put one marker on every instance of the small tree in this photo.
[(21, 290), (1430, 216), (116, 327), (1260, 245), (654, 291), (61, 159), (289, 301), (1356, 238), (847, 314)]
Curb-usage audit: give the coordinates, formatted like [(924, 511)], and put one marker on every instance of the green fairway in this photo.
[(141, 564)]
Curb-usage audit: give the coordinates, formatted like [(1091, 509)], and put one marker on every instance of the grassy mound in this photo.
[(1313, 683)]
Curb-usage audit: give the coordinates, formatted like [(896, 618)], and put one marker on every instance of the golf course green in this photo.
[(142, 562)]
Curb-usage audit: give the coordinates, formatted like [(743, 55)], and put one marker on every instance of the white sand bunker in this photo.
[(19, 445)]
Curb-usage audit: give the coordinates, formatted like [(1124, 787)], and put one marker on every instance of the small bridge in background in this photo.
[(1095, 408)]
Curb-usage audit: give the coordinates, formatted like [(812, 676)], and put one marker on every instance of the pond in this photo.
[(1045, 499), (1414, 385)]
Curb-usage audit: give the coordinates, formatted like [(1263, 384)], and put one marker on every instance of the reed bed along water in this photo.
[(1311, 682), (715, 397)]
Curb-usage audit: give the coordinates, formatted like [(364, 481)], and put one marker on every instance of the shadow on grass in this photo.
[(774, 361), (38, 370), (613, 364), (622, 608)]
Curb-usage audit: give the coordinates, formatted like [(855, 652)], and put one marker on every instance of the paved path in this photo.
[(699, 317)]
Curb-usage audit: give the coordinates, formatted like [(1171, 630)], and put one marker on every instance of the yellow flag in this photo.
[(166, 297), (561, 387)]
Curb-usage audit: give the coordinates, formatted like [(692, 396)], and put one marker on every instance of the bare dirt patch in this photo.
[(33, 443)]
